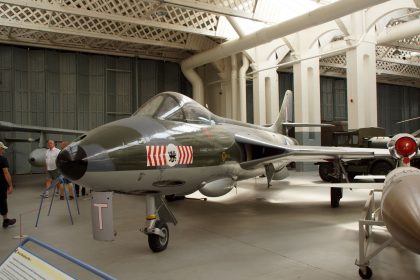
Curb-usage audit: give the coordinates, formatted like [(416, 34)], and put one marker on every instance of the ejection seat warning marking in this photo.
[(170, 155), (21, 264)]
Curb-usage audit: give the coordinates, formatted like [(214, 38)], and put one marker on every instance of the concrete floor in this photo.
[(286, 232)]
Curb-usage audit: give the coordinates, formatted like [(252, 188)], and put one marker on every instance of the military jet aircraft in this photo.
[(37, 156), (174, 146)]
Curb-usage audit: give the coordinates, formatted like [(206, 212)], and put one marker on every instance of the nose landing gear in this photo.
[(158, 215)]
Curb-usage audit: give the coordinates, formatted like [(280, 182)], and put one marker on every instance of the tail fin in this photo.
[(286, 113), (285, 116)]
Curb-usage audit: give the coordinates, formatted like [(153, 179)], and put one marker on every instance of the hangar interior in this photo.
[(79, 64)]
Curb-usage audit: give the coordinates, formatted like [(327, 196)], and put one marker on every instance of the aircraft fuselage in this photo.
[(143, 154)]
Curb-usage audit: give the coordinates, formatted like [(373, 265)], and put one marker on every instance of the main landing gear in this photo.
[(336, 194), (158, 215), (269, 173)]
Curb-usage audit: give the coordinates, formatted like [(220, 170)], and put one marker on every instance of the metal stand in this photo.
[(21, 235), (53, 187), (371, 216)]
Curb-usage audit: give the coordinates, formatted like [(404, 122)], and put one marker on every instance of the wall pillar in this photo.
[(266, 95), (361, 86), (307, 105), (242, 88), (361, 75), (234, 87)]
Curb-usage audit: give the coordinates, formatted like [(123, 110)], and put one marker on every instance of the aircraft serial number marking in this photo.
[(169, 155)]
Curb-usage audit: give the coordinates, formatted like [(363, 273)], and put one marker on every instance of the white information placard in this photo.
[(22, 265)]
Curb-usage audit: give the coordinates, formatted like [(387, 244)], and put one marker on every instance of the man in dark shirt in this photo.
[(6, 187)]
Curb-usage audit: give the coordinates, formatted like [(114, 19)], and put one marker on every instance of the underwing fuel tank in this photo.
[(217, 188), (400, 204)]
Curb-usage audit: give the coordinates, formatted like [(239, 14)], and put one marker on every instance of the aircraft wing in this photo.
[(19, 140), (8, 126), (273, 152)]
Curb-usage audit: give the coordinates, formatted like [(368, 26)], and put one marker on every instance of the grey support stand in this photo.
[(54, 188), (371, 216)]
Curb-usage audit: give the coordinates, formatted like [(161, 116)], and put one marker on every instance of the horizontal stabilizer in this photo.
[(370, 177), (416, 133), (408, 120), (286, 115)]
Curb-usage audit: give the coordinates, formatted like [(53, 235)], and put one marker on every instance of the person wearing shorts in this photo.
[(52, 171)]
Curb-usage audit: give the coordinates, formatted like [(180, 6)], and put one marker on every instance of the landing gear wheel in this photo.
[(336, 194), (324, 170), (366, 275), (156, 242)]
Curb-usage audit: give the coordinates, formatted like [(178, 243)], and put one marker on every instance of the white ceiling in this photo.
[(158, 29)]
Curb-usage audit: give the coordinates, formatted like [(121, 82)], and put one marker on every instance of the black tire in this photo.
[(366, 275), (381, 168), (325, 170), (157, 243), (335, 195)]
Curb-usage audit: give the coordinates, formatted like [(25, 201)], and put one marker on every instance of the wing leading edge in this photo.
[(270, 153), (8, 126)]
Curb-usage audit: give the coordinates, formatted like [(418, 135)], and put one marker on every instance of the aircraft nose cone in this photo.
[(72, 162)]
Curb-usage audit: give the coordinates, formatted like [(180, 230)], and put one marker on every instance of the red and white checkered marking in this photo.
[(170, 155)]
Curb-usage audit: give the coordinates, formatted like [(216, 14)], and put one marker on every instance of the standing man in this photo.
[(52, 171), (6, 187)]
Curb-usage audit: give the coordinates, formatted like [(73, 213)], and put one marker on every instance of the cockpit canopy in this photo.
[(175, 107)]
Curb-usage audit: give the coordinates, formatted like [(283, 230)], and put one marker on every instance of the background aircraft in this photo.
[(37, 157), (174, 146), (399, 207)]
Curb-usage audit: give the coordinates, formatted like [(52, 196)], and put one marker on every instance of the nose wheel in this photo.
[(159, 242), (365, 273), (158, 215)]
